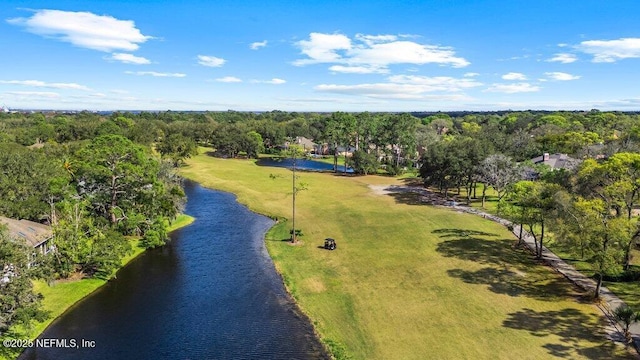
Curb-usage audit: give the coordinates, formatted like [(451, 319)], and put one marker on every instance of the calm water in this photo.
[(301, 164), (211, 293)]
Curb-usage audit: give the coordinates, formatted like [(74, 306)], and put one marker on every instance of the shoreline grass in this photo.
[(63, 295), (409, 281)]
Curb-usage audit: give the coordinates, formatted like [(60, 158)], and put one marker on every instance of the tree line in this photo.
[(96, 193), (100, 178)]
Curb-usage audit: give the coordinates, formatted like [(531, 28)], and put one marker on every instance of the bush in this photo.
[(156, 235)]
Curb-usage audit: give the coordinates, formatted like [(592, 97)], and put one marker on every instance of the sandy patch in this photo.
[(314, 285)]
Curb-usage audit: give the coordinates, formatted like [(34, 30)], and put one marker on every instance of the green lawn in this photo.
[(627, 291), (63, 294), (410, 281)]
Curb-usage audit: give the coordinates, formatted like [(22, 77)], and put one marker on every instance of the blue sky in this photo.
[(320, 55)]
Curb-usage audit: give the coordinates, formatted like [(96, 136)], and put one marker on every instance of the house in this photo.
[(553, 161), (556, 161), (34, 234), (305, 143)]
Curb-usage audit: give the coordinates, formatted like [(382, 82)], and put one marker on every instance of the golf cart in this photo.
[(329, 244)]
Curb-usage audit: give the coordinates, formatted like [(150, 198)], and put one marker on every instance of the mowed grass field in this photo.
[(410, 281)]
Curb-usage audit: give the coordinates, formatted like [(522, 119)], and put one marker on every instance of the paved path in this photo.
[(609, 300)]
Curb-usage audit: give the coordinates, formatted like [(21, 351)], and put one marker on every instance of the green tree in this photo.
[(626, 316), (84, 247), (601, 233), (533, 206), (27, 179), (364, 163), (253, 144), (114, 173), (341, 129), (499, 172), (177, 147), (18, 303), (617, 183), (400, 135)]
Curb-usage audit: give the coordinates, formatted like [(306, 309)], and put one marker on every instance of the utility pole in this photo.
[(293, 181)]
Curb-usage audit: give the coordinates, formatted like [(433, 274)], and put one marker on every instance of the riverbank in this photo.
[(409, 280), (61, 296)]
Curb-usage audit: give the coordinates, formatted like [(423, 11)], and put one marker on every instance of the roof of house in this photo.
[(307, 143), (32, 232), (557, 161)]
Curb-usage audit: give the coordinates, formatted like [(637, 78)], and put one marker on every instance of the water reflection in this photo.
[(212, 293), (301, 164)]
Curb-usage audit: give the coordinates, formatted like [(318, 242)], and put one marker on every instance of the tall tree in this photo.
[(534, 205), (18, 303), (499, 172), (113, 173), (341, 129), (602, 234), (616, 182), (177, 147)]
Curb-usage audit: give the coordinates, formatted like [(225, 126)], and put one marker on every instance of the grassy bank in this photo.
[(63, 294), (410, 281)]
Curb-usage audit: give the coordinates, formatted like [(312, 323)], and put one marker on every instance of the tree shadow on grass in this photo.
[(513, 282), (578, 333), (469, 245), (509, 271), (461, 233), (513, 272), (278, 239), (407, 198)]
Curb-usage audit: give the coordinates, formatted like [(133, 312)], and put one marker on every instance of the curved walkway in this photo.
[(609, 301)]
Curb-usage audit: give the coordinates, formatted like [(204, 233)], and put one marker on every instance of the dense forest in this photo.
[(101, 179)]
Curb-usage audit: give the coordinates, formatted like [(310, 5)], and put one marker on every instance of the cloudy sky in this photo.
[(320, 55)]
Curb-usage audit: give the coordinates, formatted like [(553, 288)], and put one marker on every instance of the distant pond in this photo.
[(301, 164), (211, 293)]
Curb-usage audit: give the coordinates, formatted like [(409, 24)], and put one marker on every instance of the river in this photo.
[(210, 293)]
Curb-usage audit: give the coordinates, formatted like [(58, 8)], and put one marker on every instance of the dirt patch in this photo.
[(381, 189), (314, 285), (72, 278)]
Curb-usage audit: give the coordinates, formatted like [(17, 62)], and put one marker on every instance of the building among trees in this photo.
[(36, 235), (556, 161)]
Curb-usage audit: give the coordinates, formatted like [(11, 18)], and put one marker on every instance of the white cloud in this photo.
[(406, 87), (513, 88), (210, 61), (560, 76), (375, 39), (372, 53), (563, 58), (611, 50), (322, 48), (84, 29), (471, 74), (358, 69), (274, 81), (386, 91), (129, 59), (514, 76), (229, 79), (258, 44), (405, 52), (437, 83), (33, 94), (42, 84), (155, 74)]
